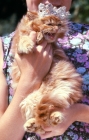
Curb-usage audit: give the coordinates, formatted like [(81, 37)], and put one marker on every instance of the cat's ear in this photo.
[(32, 15)]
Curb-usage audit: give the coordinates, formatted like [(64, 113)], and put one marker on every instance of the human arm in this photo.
[(11, 122), (3, 85), (77, 112)]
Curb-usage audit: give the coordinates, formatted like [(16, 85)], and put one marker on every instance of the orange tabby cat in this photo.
[(62, 85)]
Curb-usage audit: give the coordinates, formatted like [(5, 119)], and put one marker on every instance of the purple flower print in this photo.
[(84, 87), (80, 138), (86, 36), (7, 40), (78, 26), (54, 138), (75, 41), (65, 46), (10, 98), (82, 58), (81, 70), (86, 46), (72, 59), (85, 99), (86, 79), (4, 65), (75, 137), (70, 133), (78, 50), (29, 139), (74, 54), (11, 91), (87, 64), (87, 130), (88, 88), (63, 40), (80, 36)]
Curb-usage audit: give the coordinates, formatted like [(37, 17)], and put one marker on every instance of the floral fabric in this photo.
[(76, 47)]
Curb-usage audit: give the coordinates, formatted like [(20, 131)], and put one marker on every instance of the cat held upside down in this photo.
[(61, 87)]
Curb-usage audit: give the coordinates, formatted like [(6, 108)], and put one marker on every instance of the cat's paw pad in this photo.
[(31, 126), (56, 118)]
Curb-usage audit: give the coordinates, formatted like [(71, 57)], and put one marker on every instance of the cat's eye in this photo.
[(59, 24), (49, 24)]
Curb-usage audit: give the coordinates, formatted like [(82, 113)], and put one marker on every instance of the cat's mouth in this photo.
[(50, 36)]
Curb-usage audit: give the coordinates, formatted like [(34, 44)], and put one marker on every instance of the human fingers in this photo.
[(49, 134), (41, 47), (48, 50), (47, 128), (33, 35), (52, 131), (47, 58)]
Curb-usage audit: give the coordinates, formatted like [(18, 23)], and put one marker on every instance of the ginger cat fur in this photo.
[(62, 85)]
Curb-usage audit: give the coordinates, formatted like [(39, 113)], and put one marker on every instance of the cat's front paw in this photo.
[(56, 118), (32, 126), (25, 45)]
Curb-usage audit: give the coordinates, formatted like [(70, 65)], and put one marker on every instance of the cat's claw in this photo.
[(31, 126), (56, 118)]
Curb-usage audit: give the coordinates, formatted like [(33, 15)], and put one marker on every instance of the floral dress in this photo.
[(76, 47)]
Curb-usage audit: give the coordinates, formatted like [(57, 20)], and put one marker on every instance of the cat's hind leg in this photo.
[(32, 126), (56, 117)]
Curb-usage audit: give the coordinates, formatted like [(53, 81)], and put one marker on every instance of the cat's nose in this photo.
[(56, 28)]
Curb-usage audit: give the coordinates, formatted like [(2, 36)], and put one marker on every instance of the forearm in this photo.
[(12, 122), (3, 94), (3, 85), (82, 113)]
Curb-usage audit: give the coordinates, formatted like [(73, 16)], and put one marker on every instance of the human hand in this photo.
[(70, 115), (34, 66)]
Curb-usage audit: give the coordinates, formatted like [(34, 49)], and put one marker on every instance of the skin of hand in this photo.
[(36, 64), (11, 121), (61, 128), (32, 73), (78, 112), (74, 113)]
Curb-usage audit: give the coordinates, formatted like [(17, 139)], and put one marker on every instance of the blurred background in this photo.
[(11, 12)]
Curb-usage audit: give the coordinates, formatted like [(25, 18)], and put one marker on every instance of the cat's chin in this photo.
[(50, 39)]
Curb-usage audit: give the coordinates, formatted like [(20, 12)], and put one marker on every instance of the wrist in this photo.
[(27, 85), (82, 113)]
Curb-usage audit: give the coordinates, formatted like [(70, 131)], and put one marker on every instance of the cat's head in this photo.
[(50, 27), (53, 28)]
